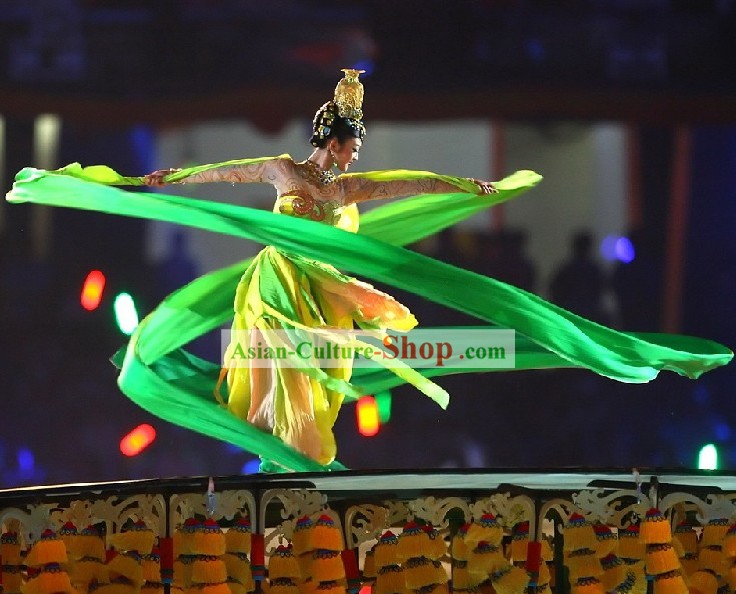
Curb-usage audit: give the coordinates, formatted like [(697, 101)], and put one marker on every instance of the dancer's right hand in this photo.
[(156, 178)]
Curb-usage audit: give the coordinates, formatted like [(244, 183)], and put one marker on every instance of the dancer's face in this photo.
[(346, 152)]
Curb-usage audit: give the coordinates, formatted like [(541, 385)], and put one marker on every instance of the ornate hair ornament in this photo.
[(347, 104), (349, 95)]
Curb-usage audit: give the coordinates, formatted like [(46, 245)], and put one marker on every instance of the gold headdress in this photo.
[(347, 104), (349, 95)]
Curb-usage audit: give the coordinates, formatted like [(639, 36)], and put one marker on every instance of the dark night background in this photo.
[(117, 71)]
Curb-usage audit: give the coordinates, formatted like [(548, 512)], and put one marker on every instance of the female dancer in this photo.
[(280, 291)]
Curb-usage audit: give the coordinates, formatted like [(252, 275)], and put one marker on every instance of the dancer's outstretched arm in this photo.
[(360, 187), (262, 171)]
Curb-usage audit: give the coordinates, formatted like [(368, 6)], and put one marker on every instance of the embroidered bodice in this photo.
[(300, 204)]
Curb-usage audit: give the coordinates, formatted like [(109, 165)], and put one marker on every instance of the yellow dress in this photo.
[(282, 291)]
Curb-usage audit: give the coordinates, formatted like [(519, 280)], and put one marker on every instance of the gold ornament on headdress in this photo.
[(349, 95)]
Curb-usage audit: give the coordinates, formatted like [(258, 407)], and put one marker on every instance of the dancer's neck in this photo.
[(322, 158)]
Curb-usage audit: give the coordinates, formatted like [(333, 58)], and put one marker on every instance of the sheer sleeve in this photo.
[(265, 170), (379, 185)]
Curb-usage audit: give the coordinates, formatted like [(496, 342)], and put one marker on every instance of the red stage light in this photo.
[(137, 440), (366, 410), (92, 289)]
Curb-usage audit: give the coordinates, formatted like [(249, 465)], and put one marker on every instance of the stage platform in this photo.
[(532, 505)]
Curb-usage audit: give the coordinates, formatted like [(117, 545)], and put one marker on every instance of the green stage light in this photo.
[(126, 315), (383, 401), (708, 457)]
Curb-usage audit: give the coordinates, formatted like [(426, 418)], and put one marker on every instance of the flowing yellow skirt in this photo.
[(281, 292)]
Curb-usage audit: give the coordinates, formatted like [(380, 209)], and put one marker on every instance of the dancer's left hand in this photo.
[(156, 178), (485, 187)]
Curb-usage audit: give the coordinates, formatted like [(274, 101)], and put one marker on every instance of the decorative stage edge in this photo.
[(395, 532)]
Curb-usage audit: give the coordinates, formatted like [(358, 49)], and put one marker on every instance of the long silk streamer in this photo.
[(163, 378)]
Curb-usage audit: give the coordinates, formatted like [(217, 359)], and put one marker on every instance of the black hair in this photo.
[(328, 124)]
